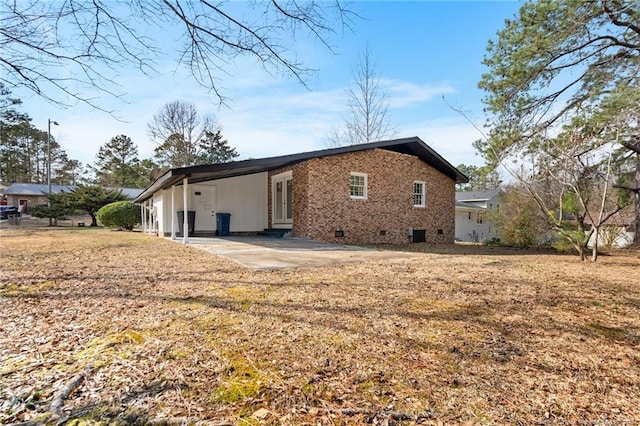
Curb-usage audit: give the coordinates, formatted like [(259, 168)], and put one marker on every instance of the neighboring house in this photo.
[(473, 215), (617, 232), (396, 191), (25, 195)]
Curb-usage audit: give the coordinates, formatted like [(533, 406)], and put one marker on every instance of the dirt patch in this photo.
[(165, 333)]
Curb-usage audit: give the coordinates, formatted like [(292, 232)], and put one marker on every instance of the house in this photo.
[(617, 232), (473, 215), (395, 191), (23, 195)]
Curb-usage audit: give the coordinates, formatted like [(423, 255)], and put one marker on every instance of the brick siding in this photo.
[(322, 204)]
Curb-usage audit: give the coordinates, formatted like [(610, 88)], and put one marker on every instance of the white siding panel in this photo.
[(158, 210), (464, 227), (245, 197)]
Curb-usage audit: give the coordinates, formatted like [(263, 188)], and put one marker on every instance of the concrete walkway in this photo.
[(279, 253)]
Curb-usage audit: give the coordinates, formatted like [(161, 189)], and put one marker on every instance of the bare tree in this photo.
[(181, 134), (368, 119), (570, 177), (553, 60), (64, 50)]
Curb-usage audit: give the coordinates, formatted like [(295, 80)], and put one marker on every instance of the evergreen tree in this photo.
[(481, 178), (213, 149), (90, 198), (117, 163), (563, 60), (23, 148)]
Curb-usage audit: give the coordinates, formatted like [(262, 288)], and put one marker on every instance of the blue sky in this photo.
[(423, 50)]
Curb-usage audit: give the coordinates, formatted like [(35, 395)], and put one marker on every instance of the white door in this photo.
[(283, 200), (204, 204)]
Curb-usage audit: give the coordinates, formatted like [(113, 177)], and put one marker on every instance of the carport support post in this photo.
[(150, 220), (185, 199), (150, 217), (173, 212), (142, 221)]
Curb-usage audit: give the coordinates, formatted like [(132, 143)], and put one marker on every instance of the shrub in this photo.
[(121, 214)]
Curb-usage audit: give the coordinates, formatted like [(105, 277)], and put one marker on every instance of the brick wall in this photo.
[(322, 204)]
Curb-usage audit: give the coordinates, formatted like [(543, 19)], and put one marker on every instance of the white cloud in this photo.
[(403, 94), (263, 119), (452, 138)]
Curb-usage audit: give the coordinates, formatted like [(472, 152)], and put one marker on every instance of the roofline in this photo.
[(467, 206), (498, 191), (173, 176)]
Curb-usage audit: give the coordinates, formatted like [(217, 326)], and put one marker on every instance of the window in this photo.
[(358, 186), (418, 193), (479, 218), (469, 215)]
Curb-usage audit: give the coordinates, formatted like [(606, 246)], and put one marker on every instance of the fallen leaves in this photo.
[(178, 336)]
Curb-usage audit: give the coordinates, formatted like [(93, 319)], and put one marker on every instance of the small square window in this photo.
[(358, 186), (418, 193)]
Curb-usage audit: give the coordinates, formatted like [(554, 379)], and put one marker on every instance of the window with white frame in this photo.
[(418, 193), (358, 186)]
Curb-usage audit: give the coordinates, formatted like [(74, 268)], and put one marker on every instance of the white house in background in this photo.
[(618, 232), (473, 215)]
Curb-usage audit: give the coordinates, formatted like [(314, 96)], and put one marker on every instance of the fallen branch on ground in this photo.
[(58, 400)]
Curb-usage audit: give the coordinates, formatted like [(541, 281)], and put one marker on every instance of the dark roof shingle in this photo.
[(412, 146)]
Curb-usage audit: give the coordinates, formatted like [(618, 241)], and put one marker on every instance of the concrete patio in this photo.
[(279, 253)]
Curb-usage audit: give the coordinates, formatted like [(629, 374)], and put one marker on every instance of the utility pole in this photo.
[(49, 163)]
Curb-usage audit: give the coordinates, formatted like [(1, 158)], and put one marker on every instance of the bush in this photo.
[(121, 214)]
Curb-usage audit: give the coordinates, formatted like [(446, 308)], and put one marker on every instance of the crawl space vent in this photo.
[(419, 235)]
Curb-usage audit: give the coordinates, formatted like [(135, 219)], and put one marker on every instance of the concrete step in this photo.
[(274, 233)]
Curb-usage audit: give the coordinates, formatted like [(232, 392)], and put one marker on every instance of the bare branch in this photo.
[(71, 46)]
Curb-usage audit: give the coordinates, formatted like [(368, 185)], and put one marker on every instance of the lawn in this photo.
[(138, 329)]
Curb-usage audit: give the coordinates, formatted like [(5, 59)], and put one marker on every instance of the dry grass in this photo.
[(174, 334)]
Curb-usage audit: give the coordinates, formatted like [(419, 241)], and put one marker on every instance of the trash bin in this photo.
[(14, 218), (223, 223), (191, 216)]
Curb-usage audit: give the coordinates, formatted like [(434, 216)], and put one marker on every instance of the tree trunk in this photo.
[(94, 221), (636, 197)]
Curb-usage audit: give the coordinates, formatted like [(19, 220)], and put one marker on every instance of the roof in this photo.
[(412, 146), (466, 206), (35, 189), (43, 189), (477, 195)]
